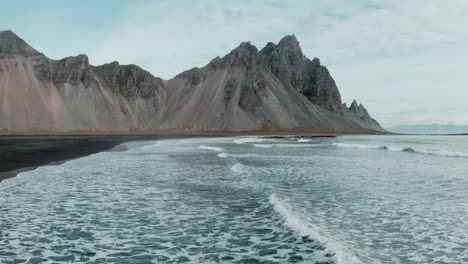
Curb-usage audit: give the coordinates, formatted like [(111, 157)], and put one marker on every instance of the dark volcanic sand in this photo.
[(22, 153)]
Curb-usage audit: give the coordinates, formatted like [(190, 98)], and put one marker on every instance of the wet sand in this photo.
[(23, 153)]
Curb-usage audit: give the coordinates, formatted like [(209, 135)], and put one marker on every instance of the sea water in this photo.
[(350, 199)]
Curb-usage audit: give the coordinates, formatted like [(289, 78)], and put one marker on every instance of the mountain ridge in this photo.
[(275, 88)]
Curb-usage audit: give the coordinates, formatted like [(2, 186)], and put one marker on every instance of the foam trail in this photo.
[(444, 153), (441, 153), (211, 148), (262, 145), (287, 145), (293, 221), (239, 168), (304, 140), (362, 146), (223, 155), (249, 140)]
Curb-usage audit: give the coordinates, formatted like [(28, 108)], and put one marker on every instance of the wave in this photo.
[(295, 222), (239, 168), (249, 140), (304, 140), (286, 145), (362, 146), (223, 155), (263, 145), (211, 148), (226, 155), (441, 153)]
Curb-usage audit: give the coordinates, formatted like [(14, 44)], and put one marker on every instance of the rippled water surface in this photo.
[(351, 199)]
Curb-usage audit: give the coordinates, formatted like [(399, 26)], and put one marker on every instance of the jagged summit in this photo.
[(245, 55), (11, 44), (287, 62), (291, 45), (359, 113)]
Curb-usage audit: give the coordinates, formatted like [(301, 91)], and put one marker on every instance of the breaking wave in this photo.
[(226, 155), (239, 168), (211, 148), (441, 153), (223, 155), (249, 140), (295, 222), (263, 145)]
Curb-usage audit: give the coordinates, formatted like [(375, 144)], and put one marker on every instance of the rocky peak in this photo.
[(287, 62), (194, 75), (359, 113), (358, 109), (288, 51), (354, 107), (290, 45), (128, 80), (11, 44), (245, 55), (72, 70)]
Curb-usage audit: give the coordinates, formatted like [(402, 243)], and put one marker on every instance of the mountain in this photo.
[(430, 129), (276, 88), (358, 113)]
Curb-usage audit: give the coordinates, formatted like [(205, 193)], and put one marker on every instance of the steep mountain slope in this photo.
[(294, 70), (274, 89), (238, 92), (40, 94)]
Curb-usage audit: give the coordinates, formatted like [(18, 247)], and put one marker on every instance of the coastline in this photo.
[(19, 153), (24, 151)]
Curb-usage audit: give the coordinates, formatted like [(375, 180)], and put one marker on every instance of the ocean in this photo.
[(343, 200)]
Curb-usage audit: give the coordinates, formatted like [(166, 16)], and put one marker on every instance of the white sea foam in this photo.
[(442, 153), (348, 145), (245, 155), (223, 155), (445, 153), (239, 168), (263, 145), (287, 145), (304, 228), (211, 148), (304, 140), (249, 140)]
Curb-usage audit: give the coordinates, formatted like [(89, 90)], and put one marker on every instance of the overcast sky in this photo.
[(406, 61)]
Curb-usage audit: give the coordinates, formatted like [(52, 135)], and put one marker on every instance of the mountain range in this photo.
[(276, 88)]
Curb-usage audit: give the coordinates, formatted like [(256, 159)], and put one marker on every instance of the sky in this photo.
[(406, 61)]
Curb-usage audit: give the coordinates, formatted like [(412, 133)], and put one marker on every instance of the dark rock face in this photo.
[(11, 44), (128, 80), (294, 70), (194, 75), (246, 58), (71, 70)]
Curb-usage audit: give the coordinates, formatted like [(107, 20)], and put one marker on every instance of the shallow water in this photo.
[(352, 199)]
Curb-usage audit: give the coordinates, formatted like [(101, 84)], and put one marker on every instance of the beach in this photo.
[(27, 151), (20, 153)]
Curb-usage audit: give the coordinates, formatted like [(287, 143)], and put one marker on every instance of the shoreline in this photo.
[(27, 151), (20, 153)]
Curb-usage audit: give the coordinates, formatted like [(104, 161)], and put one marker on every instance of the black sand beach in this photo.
[(22, 153)]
